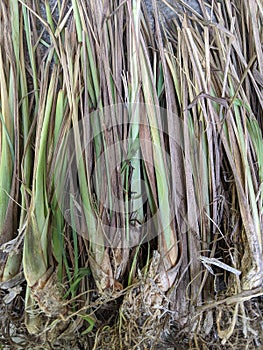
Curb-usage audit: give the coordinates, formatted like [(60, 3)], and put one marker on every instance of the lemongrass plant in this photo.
[(131, 169), (12, 79)]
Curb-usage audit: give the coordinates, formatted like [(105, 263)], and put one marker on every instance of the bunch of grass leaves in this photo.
[(130, 175)]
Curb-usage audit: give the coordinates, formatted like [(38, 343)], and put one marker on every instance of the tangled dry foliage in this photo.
[(194, 288)]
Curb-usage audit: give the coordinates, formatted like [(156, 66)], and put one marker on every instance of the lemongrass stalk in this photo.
[(35, 257), (7, 151), (57, 216), (92, 76), (136, 205), (162, 178), (241, 136), (27, 161), (13, 261), (71, 71)]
